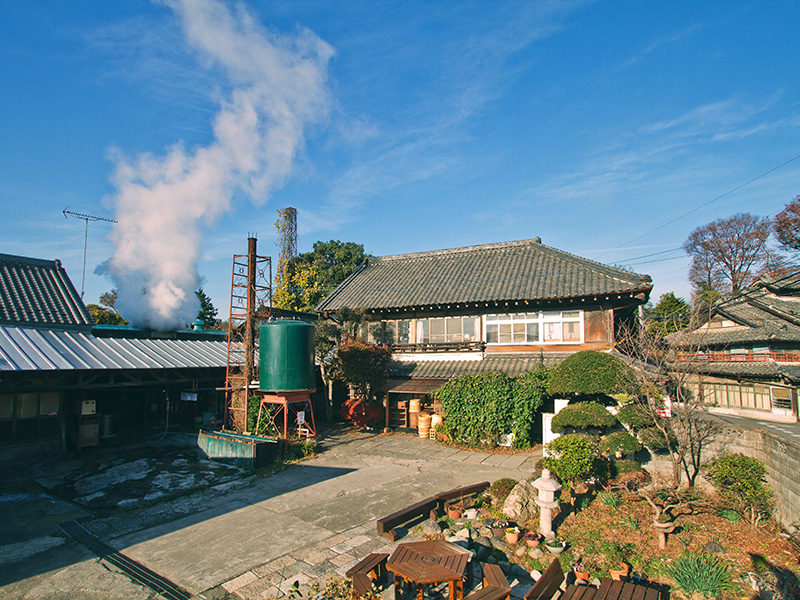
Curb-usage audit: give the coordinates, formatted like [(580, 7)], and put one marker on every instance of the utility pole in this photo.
[(85, 219)]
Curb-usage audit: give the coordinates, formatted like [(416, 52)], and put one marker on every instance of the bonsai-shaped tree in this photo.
[(741, 482), (592, 373), (583, 416), (664, 500), (572, 458)]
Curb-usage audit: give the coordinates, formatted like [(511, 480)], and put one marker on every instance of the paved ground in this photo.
[(254, 537), (790, 431)]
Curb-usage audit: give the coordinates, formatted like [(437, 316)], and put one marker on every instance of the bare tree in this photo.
[(787, 225), (675, 413), (727, 252)]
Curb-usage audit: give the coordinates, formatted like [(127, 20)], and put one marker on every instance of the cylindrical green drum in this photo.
[(286, 356)]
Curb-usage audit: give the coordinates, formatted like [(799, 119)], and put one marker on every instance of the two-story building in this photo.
[(747, 355), (509, 306)]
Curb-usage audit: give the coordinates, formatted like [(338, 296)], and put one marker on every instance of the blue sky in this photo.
[(420, 126)]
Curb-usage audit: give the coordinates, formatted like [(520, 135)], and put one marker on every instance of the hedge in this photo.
[(583, 415), (479, 408), (594, 373)]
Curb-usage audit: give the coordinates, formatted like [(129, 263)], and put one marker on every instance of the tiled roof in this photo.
[(35, 292), (512, 364), (522, 270), (763, 315), (766, 370), (36, 349)]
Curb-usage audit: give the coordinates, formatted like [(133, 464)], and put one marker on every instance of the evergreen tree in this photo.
[(207, 313)]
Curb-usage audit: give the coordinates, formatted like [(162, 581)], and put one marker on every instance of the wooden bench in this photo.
[(495, 585), (362, 585), (387, 524), (373, 564), (548, 584), (462, 492), (627, 590)]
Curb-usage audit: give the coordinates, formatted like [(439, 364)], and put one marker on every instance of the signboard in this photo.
[(301, 417), (189, 396)]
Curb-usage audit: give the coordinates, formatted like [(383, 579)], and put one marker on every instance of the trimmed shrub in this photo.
[(653, 439), (361, 413), (623, 466), (480, 408), (619, 442), (572, 457), (635, 416), (594, 373), (740, 481), (583, 415), (704, 574)]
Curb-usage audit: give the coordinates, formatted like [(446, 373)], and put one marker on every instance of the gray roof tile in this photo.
[(521, 270), (37, 292), (512, 364)]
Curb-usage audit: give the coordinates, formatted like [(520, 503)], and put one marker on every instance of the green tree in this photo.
[(109, 300), (207, 313), (306, 279), (105, 316), (363, 366), (671, 314), (592, 373)]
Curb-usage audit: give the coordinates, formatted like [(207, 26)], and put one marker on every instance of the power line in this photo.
[(720, 197), (625, 260)]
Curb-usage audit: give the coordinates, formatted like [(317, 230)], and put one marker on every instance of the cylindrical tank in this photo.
[(286, 356)]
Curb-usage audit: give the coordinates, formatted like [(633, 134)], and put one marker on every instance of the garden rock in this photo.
[(713, 548), (536, 575), (482, 554), (536, 552), (488, 522), (499, 544), (473, 534), (471, 513), (430, 527), (484, 541), (520, 572), (506, 566), (446, 532), (520, 551), (520, 504), (596, 582), (491, 560), (458, 541), (463, 533), (485, 532)]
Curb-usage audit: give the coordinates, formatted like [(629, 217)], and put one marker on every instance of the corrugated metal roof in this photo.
[(35, 292), (31, 349), (521, 270)]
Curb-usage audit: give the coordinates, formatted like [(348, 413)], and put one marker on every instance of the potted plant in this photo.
[(512, 535), (581, 572), (555, 546), (621, 572), (498, 527), (454, 511), (531, 538)]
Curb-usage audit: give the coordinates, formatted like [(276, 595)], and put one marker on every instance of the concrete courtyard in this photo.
[(250, 538)]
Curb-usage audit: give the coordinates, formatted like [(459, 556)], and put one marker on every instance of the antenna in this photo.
[(85, 219)]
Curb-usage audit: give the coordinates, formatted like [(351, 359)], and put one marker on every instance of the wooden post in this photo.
[(386, 425)]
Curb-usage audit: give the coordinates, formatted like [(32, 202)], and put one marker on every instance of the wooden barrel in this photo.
[(423, 424), (413, 405)]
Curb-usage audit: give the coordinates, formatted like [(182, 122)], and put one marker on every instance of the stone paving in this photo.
[(254, 539)]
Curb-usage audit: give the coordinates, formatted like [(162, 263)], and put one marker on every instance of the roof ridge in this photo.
[(614, 272), (27, 260)]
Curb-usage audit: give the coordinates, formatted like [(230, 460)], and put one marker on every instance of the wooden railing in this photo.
[(739, 357), (440, 347)]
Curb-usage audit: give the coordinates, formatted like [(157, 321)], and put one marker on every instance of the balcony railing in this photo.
[(439, 347), (739, 357)]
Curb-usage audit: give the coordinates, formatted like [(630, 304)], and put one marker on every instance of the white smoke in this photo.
[(164, 202)]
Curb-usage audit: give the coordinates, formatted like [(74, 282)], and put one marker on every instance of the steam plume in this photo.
[(164, 202)]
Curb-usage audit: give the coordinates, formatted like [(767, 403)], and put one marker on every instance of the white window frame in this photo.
[(540, 318)]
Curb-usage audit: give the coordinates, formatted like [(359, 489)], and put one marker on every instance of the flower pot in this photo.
[(454, 512), (512, 537), (499, 531), (620, 573), (581, 575), (532, 542), (555, 548)]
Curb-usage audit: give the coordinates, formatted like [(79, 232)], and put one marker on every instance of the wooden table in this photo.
[(429, 562), (613, 590)]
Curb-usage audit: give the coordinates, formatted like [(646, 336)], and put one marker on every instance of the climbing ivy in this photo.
[(479, 408)]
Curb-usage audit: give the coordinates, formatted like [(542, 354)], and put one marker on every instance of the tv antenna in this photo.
[(85, 219)]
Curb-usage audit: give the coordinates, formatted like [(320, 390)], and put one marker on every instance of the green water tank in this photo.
[(286, 356)]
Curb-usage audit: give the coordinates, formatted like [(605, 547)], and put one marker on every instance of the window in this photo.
[(389, 332), (781, 398), (449, 330), (550, 327), (29, 417)]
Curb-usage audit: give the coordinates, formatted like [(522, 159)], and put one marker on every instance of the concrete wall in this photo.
[(779, 455)]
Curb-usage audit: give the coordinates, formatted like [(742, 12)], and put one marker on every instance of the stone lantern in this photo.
[(548, 488)]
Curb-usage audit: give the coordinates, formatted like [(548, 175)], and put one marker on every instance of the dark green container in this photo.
[(286, 356)]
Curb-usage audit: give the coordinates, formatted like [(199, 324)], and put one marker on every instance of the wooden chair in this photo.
[(372, 566), (548, 584), (495, 585)]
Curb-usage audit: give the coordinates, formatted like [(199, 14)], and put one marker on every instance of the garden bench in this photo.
[(387, 524), (548, 583), (493, 576), (488, 593), (362, 585), (374, 564), (609, 590), (466, 491)]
